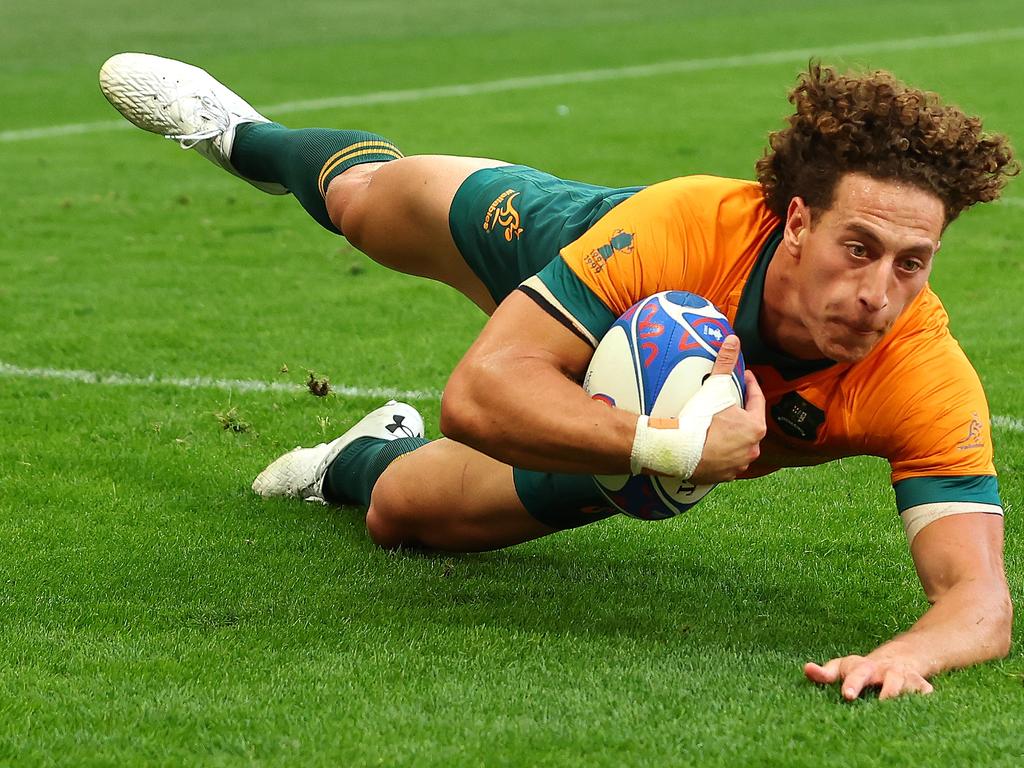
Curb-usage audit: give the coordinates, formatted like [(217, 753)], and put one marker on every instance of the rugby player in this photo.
[(822, 266)]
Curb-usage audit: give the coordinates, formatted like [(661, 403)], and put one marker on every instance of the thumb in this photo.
[(822, 674), (728, 356)]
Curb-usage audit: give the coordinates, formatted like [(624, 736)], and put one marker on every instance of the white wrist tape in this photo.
[(673, 452), (677, 452)]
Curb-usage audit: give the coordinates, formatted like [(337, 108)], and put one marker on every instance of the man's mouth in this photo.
[(861, 329)]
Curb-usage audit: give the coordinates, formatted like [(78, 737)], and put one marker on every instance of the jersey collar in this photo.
[(748, 313)]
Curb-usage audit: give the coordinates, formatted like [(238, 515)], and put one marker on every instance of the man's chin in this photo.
[(850, 350)]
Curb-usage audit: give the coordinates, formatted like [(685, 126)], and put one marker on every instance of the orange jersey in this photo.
[(915, 400)]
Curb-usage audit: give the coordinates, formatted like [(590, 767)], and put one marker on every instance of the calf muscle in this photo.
[(469, 505)]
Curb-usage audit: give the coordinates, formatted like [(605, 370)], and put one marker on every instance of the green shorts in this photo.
[(508, 223), (561, 501)]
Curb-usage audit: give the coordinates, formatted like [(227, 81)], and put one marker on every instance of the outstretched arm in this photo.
[(959, 560)]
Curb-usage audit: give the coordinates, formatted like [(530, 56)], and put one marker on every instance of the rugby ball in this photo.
[(652, 360)]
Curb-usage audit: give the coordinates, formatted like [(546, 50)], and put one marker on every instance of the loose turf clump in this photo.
[(319, 386), (231, 421)]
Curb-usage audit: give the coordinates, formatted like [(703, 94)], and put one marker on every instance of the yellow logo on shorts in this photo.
[(501, 213)]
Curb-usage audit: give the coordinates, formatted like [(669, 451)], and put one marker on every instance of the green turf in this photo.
[(153, 611)]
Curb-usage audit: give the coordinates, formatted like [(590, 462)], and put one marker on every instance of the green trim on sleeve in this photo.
[(576, 298), (979, 489)]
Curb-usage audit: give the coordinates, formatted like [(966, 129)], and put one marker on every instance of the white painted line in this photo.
[(53, 131), (204, 382), (678, 66), (1008, 423), (7, 370), (1016, 202)]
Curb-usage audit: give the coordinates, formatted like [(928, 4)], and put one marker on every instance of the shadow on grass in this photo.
[(622, 583)]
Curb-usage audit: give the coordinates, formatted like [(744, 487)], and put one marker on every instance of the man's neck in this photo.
[(780, 322)]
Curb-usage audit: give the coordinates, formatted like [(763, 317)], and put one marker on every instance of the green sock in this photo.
[(351, 476), (305, 160)]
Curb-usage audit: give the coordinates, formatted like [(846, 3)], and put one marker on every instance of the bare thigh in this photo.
[(397, 214), (448, 497)]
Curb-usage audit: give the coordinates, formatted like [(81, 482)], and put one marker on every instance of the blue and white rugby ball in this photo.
[(652, 360)]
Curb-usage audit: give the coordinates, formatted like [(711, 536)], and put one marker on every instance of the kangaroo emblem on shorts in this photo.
[(502, 213)]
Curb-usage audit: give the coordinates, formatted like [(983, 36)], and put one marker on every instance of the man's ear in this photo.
[(798, 224)]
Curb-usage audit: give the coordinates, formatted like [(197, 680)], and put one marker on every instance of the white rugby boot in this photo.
[(300, 472), (180, 102)]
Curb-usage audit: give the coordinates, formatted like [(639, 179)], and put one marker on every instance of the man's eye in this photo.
[(857, 250), (911, 266)]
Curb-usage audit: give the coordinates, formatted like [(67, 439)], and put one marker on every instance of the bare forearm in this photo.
[(516, 397), (536, 418), (959, 561), (969, 624)]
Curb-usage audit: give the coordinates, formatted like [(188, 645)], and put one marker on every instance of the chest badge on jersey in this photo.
[(620, 242), (797, 417)]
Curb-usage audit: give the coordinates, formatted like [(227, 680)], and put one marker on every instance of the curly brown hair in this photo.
[(874, 124)]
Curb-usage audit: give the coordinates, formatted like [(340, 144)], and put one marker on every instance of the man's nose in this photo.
[(873, 291)]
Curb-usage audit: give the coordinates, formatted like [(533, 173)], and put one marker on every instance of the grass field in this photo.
[(153, 611)]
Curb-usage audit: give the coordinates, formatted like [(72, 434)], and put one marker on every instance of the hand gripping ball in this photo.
[(652, 360)]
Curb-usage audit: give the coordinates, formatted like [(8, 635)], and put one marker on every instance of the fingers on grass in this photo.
[(858, 676), (894, 684), (823, 675)]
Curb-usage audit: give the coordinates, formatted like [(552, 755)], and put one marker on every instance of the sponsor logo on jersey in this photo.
[(502, 213), (797, 417), (620, 242), (975, 437)]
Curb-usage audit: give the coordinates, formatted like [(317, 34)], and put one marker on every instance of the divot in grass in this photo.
[(230, 421)]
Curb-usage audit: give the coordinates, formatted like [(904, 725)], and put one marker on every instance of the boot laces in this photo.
[(205, 109)]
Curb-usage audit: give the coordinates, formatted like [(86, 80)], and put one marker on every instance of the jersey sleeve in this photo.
[(932, 422), (639, 248)]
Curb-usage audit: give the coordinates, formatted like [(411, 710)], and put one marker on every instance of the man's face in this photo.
[(860, 263)]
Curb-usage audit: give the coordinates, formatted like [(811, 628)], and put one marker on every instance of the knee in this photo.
[(389, 519), (384, 532), (348, 202)]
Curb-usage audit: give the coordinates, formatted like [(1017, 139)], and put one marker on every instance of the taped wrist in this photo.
[(674, 452), (677, 452)]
